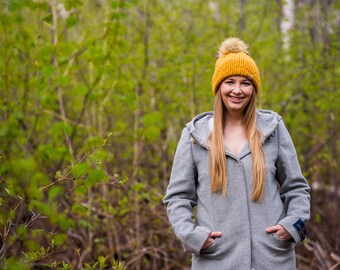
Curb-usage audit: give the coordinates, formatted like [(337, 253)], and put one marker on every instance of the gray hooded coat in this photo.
[(244, 243)]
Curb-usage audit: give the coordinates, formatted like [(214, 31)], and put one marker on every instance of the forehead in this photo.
[(237, 77)]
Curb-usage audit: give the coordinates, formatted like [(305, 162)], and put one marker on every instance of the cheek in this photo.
[(225, 90), (222, 90), (249, 91), (225, 100)]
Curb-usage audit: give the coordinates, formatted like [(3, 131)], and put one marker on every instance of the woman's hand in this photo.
[(280, 232), (210, 240)]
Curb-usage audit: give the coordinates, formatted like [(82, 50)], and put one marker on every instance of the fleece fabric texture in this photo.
[(244, 243)]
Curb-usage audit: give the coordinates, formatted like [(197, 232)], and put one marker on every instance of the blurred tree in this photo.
[(93, 97)]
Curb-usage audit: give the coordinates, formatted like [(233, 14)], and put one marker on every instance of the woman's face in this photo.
[(236, 92)]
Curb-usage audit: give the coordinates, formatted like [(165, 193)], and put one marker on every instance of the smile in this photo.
[(236, 99)]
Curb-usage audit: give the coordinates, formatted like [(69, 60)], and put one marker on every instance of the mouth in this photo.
[(236, 99)]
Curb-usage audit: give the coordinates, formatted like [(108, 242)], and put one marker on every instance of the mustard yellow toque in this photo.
[(234, 59)]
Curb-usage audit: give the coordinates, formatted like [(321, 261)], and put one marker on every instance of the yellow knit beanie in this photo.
[(234, 59)]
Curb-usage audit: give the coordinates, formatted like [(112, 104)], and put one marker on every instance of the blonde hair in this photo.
[(217, 157)]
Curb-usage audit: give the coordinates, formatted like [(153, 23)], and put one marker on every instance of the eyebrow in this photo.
[(243, 80)]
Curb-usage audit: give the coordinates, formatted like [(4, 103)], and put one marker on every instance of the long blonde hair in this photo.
[(217, 157)]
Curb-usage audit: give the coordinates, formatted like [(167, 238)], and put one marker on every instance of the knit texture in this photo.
[(235, 60)]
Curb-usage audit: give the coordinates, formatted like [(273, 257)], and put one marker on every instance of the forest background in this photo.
[(94, 95)]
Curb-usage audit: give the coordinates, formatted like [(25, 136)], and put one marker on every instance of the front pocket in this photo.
[(210, 249), (219, 250), (279, 244)]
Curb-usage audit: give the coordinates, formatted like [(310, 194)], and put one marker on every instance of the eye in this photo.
[(246, 83), (229, 82)]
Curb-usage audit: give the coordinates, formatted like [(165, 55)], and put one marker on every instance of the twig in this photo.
[(68, 173)]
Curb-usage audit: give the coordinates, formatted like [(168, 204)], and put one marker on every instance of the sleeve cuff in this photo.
[(295, 227), (194, 242)]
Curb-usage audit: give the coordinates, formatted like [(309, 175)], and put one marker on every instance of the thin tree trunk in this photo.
[(287, 22), (53, 7), (242, 20), (137, 142)]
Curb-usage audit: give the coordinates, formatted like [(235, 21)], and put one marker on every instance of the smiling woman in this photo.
[(237, 165)]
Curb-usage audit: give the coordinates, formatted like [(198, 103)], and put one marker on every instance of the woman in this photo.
[(238, 167)]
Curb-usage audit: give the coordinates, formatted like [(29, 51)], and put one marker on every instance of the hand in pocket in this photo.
[(210, 240), (280, 232)]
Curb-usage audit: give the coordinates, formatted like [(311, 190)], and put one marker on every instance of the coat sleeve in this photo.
[(181, 197), (294, 188)]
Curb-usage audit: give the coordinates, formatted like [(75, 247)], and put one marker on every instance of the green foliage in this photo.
[(93, 97)]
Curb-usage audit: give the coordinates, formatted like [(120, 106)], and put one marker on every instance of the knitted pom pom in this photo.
[(232, 45)]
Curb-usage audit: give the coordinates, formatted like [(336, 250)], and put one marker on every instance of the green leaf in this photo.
[(60, 239), (95, 176), (39, 178), (55, 191), (14, 263), (101, 154), (81, 190), (93, 141), (79, 210), (66, 223), (85, 224), (71, 21), (21, 231), (42, 207), (80, 169)]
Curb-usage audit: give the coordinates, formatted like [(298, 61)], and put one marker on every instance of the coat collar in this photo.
[(201, 126)]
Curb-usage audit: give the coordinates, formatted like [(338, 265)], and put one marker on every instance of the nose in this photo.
[(237, 89)]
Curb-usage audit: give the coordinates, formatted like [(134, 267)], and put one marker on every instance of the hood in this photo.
[(201, 125), (267, 121)]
